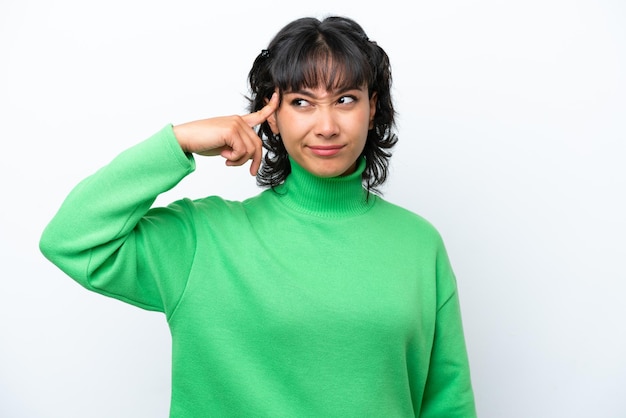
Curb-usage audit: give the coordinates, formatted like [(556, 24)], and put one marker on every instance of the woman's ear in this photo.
[(271, 120), (373, 101)]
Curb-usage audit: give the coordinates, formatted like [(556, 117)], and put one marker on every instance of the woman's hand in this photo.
[(232, 137)]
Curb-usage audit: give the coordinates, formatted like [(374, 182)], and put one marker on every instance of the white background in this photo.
[(511, 126)]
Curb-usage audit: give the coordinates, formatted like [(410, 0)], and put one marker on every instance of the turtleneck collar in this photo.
[(327, 197)]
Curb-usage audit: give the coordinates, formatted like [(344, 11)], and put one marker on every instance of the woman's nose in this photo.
[(326, 125)]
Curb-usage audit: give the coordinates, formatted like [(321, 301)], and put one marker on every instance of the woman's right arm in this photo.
[(106, 237), (99, 236)]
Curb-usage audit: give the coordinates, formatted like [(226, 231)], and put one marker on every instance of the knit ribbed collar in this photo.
[(327, 197)]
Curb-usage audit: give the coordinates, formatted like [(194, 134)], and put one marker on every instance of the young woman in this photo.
[(315, 298)]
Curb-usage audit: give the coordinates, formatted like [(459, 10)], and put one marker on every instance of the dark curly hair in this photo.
[(336, 53)]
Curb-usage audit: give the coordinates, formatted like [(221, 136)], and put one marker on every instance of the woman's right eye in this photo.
[(299, 103)]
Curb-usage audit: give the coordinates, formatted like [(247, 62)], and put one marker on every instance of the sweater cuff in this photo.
[(185, 159)]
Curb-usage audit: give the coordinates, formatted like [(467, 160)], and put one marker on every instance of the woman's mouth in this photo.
[(325, 150)]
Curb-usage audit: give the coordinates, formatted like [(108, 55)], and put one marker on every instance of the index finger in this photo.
[(260, 116)]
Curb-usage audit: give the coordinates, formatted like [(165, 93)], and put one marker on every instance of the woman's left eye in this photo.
[(346, 99)]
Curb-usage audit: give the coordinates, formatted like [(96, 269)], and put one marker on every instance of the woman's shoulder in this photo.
[(202, 206), (402, 217)]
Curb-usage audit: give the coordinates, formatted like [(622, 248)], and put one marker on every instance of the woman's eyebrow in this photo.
[(310, 94)]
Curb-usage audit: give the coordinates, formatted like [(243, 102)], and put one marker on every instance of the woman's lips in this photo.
[(325, 150)]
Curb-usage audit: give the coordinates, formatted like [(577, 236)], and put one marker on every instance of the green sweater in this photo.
[(310, 300)]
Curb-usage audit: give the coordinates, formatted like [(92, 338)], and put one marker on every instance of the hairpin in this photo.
[(265, 53)]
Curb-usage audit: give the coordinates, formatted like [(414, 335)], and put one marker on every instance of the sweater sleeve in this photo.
[(106, 237), (448, 392)]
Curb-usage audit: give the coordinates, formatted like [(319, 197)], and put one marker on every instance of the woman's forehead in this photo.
[(321, 90), (331, 76)]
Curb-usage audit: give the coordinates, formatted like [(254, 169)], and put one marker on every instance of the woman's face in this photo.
[(325, 131)]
